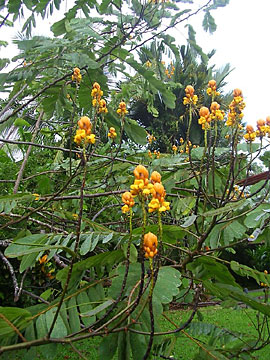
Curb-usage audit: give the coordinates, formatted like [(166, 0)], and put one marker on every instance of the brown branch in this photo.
[(17, 331), (57, 148), (20, 174), (12, 100), (12, 274)]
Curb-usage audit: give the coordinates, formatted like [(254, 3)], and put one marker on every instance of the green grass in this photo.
[(236, 320)]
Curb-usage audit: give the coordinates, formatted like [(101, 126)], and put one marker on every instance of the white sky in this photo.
[(241, 39)]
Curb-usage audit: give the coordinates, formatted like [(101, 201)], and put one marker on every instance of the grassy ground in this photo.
[(240, 320)]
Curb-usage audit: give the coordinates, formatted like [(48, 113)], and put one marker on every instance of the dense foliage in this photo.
[(99, 233)]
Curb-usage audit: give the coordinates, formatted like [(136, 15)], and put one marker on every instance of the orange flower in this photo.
[(150, 243), (237, 92), (214, 106), (189, 90), (85, 124), (155, 177), (141, 172)]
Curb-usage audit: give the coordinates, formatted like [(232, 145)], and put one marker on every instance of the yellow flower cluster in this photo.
[(206, 117), (148, 64), (144, 187), (236, 107), (190, 98), (158, 202), (212, 89), (150, 138), (150, 244), (76, 76), (174, 149), (216, 113), (122, 109), (250, 134), (263, 127), (141, 183), (97, 102), (112, 133), (156, 154), (84, 133), (102, 107), (237, 193), (128, 200), (263, 284), (170, 71)]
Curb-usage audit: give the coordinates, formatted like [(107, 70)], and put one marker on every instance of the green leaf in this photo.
[(167, 284), (244, 270), (59, 329), (124, 346), (189, 221), (80, 60), (85, 305), (227, 208), (133, 253), (74, 319), (135, 132), (106, 258), (108, 346), (98, 309), (21, 122), (205, 268), (17, 316), (138, 343), (225, 291)]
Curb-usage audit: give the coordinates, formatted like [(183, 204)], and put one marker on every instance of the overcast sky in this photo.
[(241, 39)]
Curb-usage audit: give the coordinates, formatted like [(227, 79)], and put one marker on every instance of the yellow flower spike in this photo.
[(150, 243), (122, 109), (76, 75), (43, 259), (91, 139), (37, 196)]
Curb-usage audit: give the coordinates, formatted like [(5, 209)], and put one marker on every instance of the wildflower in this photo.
[(37, 196), (174, 149), (150, 154), (155, 177), (96, 94), (150, 244), (212, 89), (158, 199), (236, 107), (122, 109), (205, 118), (128, 200), (85, 124), (251, 134), (157, 154), (181, 140), (190, 98), (112, 133), (76, 75), (102, 107), (75, 216), (262, 129), (84, 133), (43, 259), (141, 183), (148, 64), (140, 172), (150, 138)]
